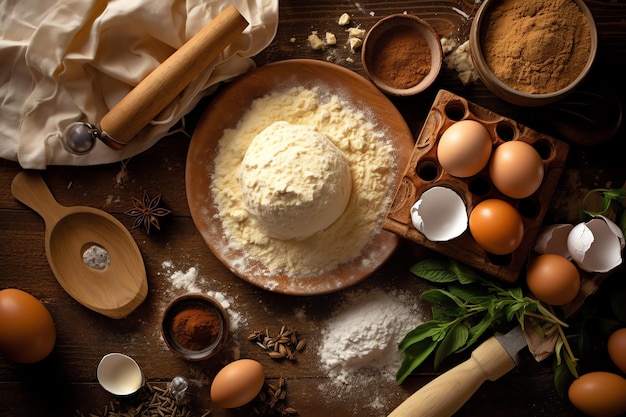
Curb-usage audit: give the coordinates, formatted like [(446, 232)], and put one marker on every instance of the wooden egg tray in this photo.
[(424, 171)]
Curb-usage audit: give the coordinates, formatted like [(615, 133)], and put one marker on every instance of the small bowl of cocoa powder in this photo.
[(195, 326), (532, 53), (402, 55)]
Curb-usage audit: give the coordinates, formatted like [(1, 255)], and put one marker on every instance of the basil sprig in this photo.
[(462, 312), (612, 201)]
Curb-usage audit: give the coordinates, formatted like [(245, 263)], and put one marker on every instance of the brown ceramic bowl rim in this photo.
[(382, 26), (505, 91), (193, 299)]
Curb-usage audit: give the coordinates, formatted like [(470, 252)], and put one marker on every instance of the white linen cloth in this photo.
[(63, 61)]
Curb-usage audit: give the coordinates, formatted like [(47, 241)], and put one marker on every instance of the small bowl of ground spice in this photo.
[(194, 326), (402, 55), (532, 53)]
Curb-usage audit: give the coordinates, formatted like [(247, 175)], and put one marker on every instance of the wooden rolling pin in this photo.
[(164, 83), (443, 396)]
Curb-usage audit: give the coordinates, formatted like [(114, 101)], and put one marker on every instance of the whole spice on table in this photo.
[(146, 212), (272, 400), (536, 47), (195, 328), (284, 345), (152, 401), (403, 58)]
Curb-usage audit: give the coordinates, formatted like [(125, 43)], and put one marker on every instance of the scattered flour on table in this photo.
[(359, 343)]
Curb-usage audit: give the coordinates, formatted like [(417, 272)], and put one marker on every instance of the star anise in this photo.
[(146, 212)]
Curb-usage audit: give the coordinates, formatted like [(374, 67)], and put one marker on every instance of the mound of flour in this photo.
[(359, 344)]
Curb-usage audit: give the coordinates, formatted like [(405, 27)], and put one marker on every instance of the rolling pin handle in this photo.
[(443, 396)]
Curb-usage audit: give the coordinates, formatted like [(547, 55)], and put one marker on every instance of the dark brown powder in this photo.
[(403, 58), (538, 46), (196, 328)]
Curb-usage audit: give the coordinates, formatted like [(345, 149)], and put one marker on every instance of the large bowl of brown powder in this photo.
[(532, 53)]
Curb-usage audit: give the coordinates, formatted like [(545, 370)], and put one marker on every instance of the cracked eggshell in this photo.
[(440, 214), (596, 245), (553, 239)]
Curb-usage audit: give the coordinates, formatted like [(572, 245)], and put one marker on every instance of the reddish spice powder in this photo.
[(195, 328), (403, 58)]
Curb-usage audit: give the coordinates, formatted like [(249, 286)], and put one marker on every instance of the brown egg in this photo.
[(237, 383), (599, 394), (496, 226), (27, 332), (617, 348), (464, 148), (516, 169), (553, 279)]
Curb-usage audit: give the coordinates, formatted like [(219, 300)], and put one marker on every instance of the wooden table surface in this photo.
[(66, 380)]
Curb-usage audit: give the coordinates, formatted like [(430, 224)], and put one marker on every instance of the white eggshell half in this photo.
[(440, 214), (596, 245), (615, 229), (553, 239)]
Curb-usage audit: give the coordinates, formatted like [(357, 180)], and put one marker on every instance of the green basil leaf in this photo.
[(435, 270), (444, 299), (431, 329), (563, 378), (531, 304), (610, 197), (464, 274), (558, 347), (413, 357), (515, 310), (440, 314), (615, 194), (571, 366), (477, 330), (516, 292), (455, 339), (444, 270), (473, 293)]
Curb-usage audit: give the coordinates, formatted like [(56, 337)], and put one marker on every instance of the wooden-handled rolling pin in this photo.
[(146, 100), (444, 395)]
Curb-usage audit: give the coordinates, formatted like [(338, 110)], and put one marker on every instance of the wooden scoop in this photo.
[(114, 291)]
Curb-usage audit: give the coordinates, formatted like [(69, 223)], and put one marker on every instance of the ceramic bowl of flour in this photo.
[(533, 53), (350, 112), (402, 55)]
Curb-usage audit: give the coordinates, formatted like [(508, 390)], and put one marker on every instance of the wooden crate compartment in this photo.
[(424, 171)]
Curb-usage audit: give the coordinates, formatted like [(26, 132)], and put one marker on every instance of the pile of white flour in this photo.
[(359, 346)]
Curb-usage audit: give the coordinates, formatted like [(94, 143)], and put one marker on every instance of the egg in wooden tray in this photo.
[(505, 190)]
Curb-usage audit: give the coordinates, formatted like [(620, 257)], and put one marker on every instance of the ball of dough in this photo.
[(294, 180)]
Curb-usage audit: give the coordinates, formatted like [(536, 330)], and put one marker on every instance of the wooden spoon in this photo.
[(114, 291)]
